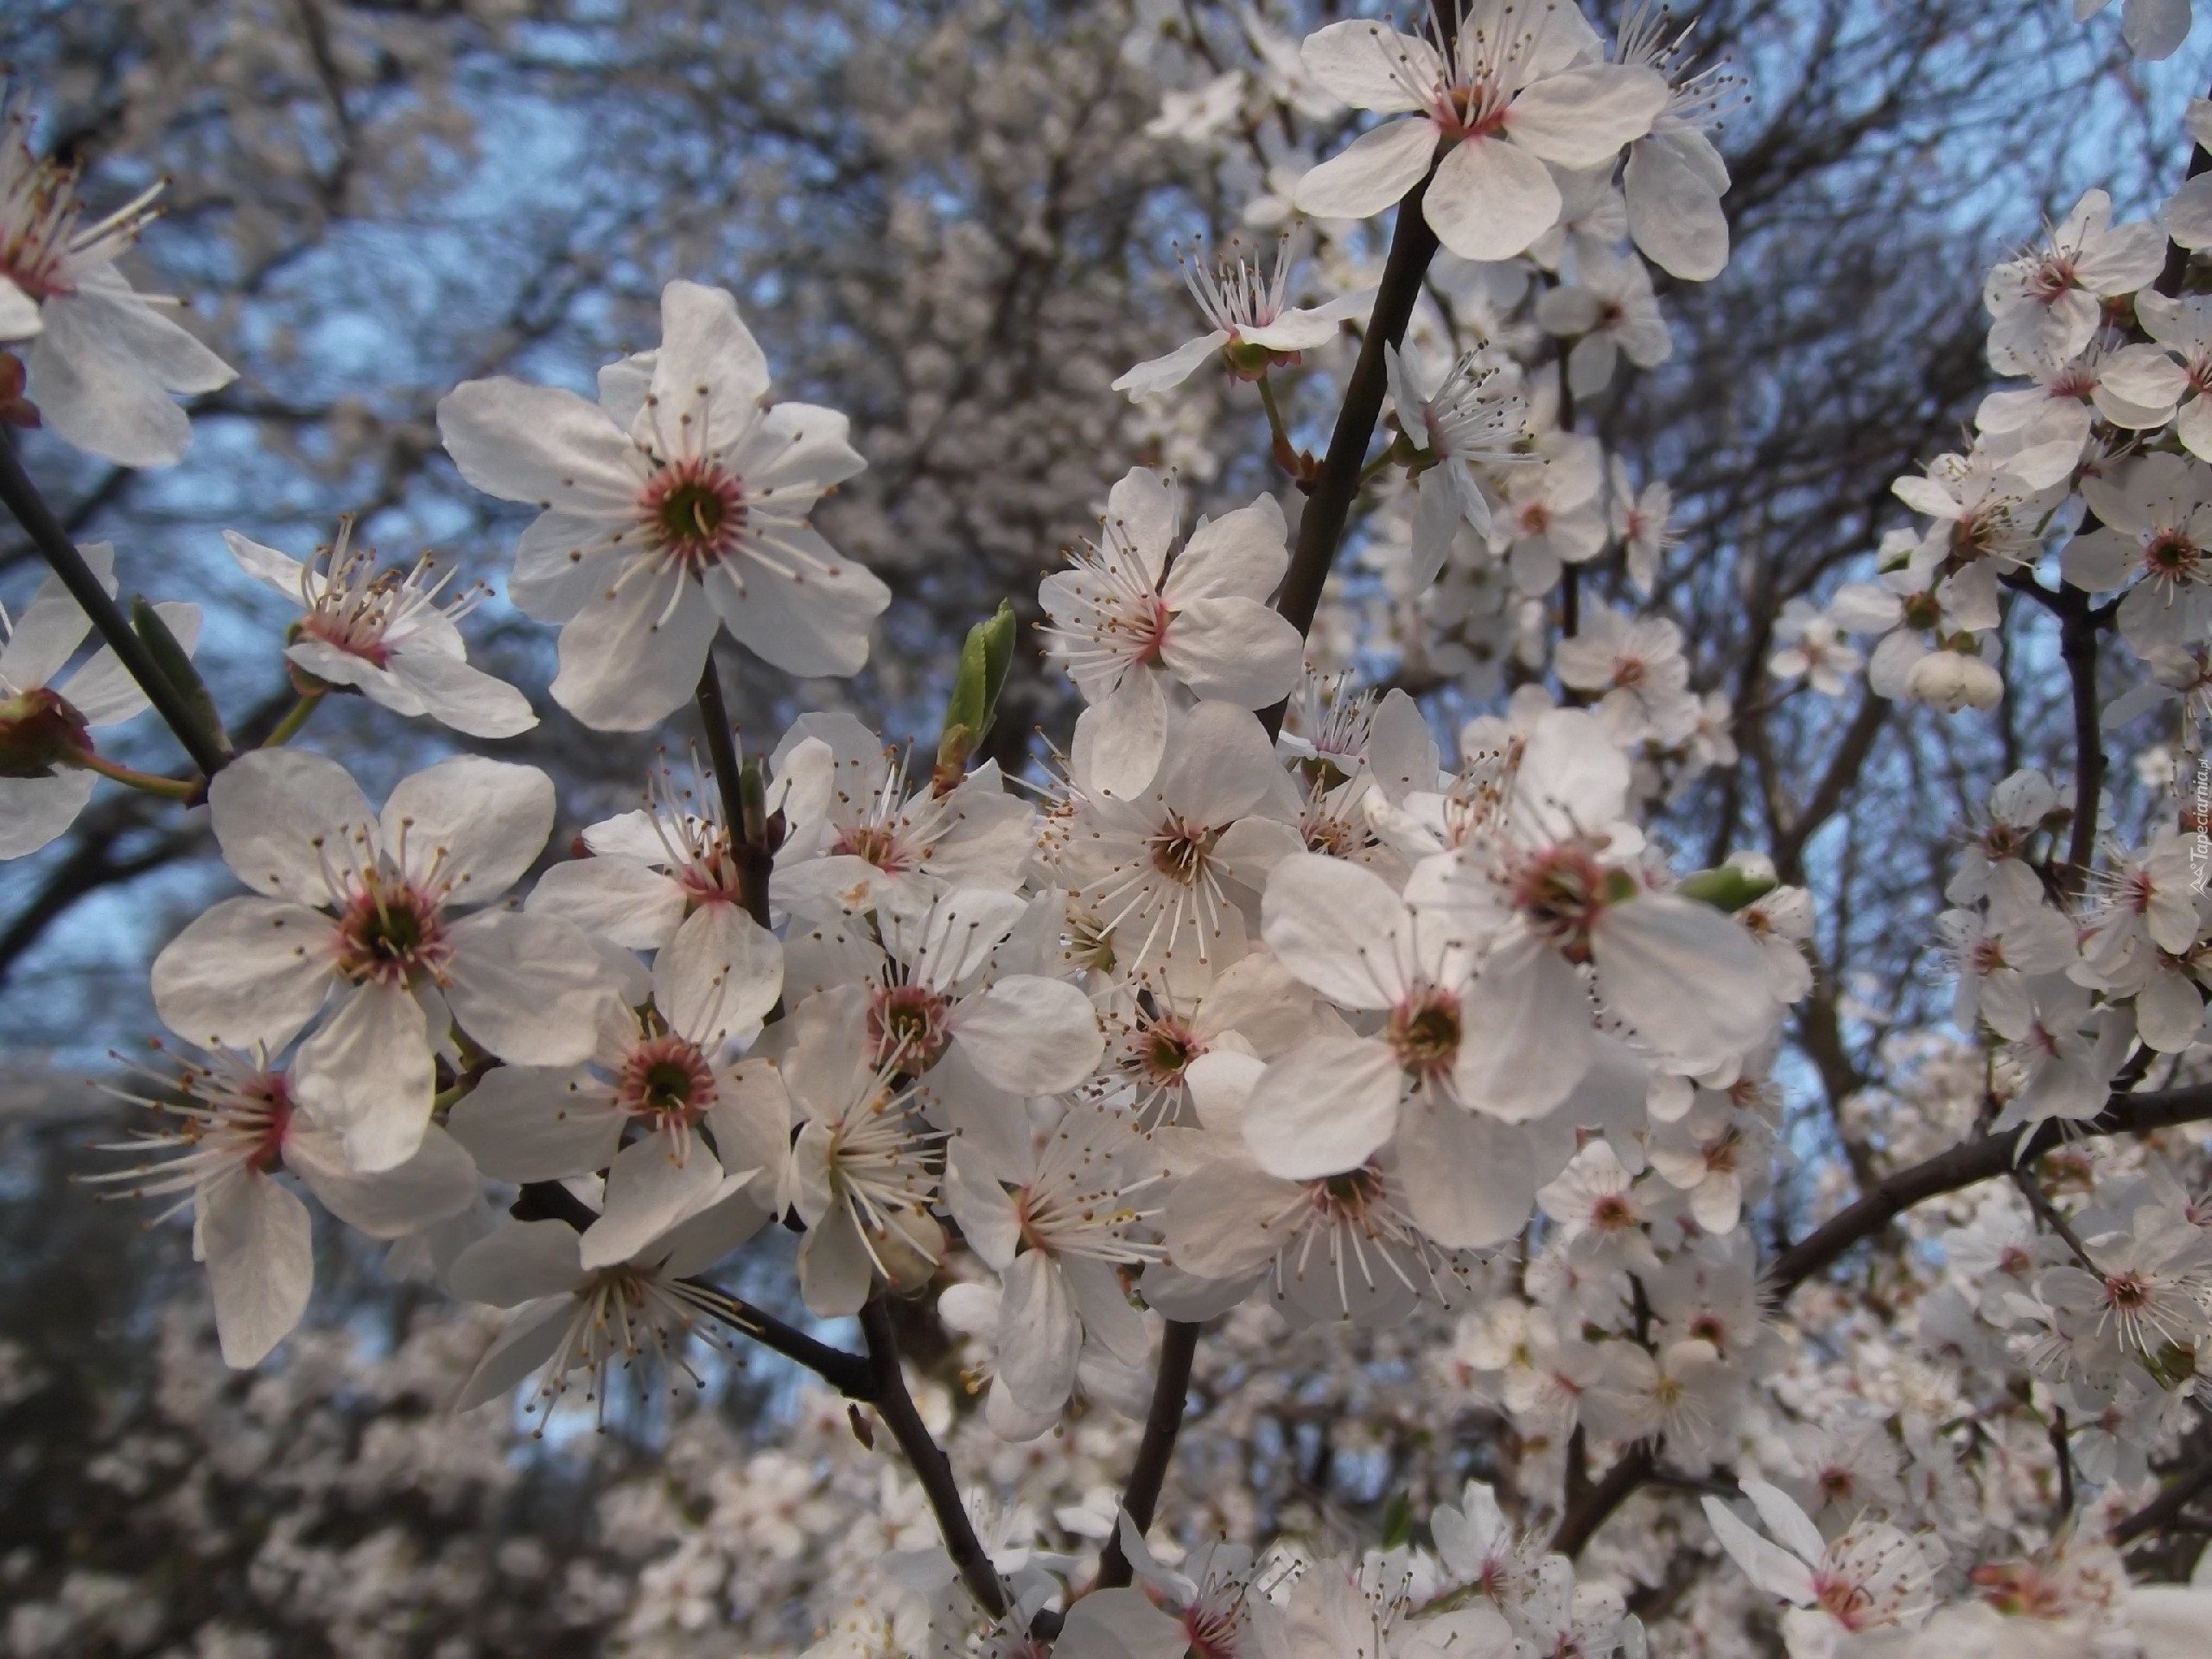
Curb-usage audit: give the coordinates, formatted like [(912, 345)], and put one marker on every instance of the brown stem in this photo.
[(1983, 1158), (1589, 1512), (22, 499), (1321, 527), (1162, 1423), (2167, 1506), (926, 1458)]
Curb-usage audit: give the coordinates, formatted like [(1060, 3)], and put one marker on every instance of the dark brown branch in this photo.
[(1321, 527), (2166, 1507), (1583, 1518), (1162, 1423), (1984, 1158), (2077, 649), (931, 1466), (22, 498)]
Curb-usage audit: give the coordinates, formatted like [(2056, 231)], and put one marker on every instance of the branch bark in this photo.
[(1162, 1423), (22, 499), (1984, 1158)]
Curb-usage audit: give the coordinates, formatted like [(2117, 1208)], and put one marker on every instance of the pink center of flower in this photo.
[(278, 1125), (1152, 618), (357, 632), (1180, 850), (2171, 556), (667, 1080), (909, 1024), (693, 514), (1166, 1050), (876, 843), (1561, 891), (1346, 1198), (1424, 1032), (391, 933), (2052, 278), (1210, 1631)]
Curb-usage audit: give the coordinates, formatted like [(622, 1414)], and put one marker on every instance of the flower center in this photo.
[(391, 933), (1168, 1049), (1923, 612), (1424, 1032), (2171, 555), (694, 513), (2051, 278), (876, 843), (908, 1024), (1345, 1197), (667, 1080), (1180, 850), (1562, 893)]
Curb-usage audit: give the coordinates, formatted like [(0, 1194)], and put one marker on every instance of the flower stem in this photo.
[(295, 717), (22, 498), (151, 783)]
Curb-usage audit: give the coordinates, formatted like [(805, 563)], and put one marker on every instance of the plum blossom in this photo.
[(1520, 86), (47, 763), (1132, 626), (384, 635), (674, 506), (2156, 510), (356, 909), (1472, 416), (1873, 1577), (105, 359), (1253, 324), (238, 1125), (2045, 303)]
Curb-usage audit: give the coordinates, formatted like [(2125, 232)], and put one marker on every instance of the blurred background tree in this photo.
[(958, 220)]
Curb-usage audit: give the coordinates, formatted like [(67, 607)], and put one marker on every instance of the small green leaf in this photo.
[(175, 665), (1398, 1521), (1727, 887), (985, 657)]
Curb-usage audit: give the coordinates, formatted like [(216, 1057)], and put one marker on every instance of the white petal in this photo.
[(1769, 1566), (1158, 374), (710, 369), (1241, 554), (801, 607), (1127, 734), (477, 823), (530, 1339), (527, 987), (366, 1072), (537, 1123), (1689, 979), (540, 445), (248, 971), (619, 899), (719, 976), (518, 1262), (34, 812), (632, 656), (649, 1190), (438, 1181), (1325, 1107), (1374, 170), (1368, 65), (1469, 1179), (1040, 1338), (466, 699), (1235, 649), (1335, 924), (1030, 1035), (1581, 117), (1489, 200), (280, 813), (103, 690), (50, 628), (260, 1244), (1527, 1039), (1673, 209)]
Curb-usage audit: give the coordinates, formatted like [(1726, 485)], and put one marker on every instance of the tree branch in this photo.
[(748, 845), (1984, 1158), (22, 498), (1321, 527), (1170, 1390), (931, 1466), (1589, 1512)]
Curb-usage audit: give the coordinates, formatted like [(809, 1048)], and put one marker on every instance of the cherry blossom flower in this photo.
[(237, 1125), (46, 745), (2156, 510), (105, 361), (568, 1318), (1130, 624), (1473, 416), (1873, 1577), (385, 635), (1521, 84), (1997, 957), (1675, 177), (2184, 325), (1253, 325), (1609, 312), (659, 1070), (1639, 523), (1637, 666), (355, 909), (674, 506), (1059, 1240), (2045, 303), (1812, 649)]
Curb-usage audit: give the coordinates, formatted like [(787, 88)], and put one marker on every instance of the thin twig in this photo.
[(1583, 1518), (1983, 1158), (931, 1466), (1171, 1389), (22, 498)]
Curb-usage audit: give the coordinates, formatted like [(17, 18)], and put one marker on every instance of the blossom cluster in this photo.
[(1255, 999)]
